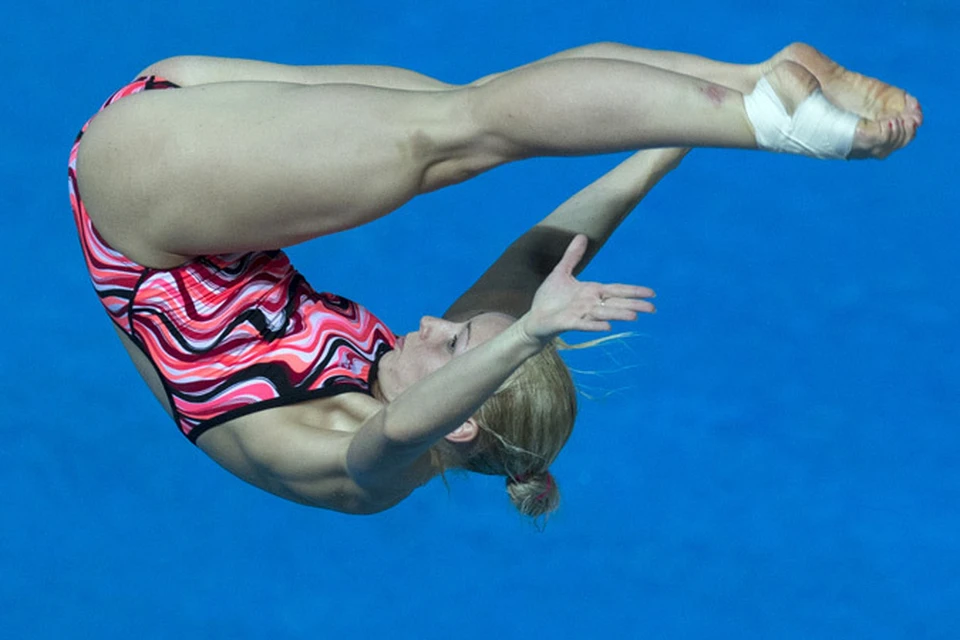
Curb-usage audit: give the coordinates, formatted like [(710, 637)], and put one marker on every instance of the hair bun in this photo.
[(534, 494)]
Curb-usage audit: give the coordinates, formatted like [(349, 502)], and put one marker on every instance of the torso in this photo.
[(335, 419), (344, 412), (341, 413)]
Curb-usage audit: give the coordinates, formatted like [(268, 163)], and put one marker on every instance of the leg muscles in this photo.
[(244, 165), (194, 70), (249, 165)]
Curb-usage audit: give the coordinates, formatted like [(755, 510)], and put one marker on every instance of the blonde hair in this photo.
[(523, 427)]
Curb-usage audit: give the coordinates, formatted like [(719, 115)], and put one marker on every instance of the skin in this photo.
[(399, 143), (274, 155), (422, 352)]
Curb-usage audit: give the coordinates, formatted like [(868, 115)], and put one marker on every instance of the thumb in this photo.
[(573, 255)]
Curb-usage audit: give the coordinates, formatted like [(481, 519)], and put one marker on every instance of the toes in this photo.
[(880, 138), (871, 140), (909, 131), (914, 109), (889, 132), (898, 132), (895, 135), (899, 137)]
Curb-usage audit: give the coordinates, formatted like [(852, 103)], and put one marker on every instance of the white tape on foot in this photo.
[(817, 128)]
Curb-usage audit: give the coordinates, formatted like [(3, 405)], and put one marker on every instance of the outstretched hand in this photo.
[(563, 303)]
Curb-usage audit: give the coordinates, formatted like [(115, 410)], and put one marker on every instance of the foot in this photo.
[(879, 132), (867, 97)]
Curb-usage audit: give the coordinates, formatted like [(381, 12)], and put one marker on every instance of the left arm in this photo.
[(596, 211), (391, 441), (370, 456)]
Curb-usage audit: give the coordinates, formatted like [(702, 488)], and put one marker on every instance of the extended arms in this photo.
[(392, 440), (508, 286), (526, 282), (374, 467)]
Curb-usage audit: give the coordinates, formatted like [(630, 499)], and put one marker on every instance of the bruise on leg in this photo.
[(715, 93)]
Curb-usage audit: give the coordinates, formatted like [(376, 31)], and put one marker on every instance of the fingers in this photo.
[(626, 291), (621, 302), (626, 301), (620, 309)]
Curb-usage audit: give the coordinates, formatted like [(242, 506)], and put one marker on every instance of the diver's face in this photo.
[(437, 342)]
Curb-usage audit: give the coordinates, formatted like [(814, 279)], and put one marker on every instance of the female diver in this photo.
[(195, 174)]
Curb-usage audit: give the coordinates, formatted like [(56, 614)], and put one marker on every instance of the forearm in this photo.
[(596, 211), (394, 438)]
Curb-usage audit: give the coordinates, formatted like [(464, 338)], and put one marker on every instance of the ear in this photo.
[(464, 433)]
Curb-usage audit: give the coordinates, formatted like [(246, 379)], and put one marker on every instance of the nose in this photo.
[(429, 325)]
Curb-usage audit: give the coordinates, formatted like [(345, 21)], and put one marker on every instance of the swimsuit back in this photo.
[(230, 334)]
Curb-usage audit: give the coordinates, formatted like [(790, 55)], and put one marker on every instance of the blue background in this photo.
[(778, 457)]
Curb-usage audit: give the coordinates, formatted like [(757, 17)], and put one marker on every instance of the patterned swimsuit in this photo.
[(230, 334)]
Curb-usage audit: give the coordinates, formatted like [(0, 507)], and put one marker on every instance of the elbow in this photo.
[(366, 458), (358, 466), (348, 497), (364, 508)]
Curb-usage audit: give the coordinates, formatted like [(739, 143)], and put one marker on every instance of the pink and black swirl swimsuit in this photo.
[(231, 334)]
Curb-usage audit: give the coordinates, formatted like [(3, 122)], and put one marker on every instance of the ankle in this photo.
[(792, 83), (813, 126)]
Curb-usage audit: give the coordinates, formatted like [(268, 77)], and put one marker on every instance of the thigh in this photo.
[(194, 70), (241, 166)]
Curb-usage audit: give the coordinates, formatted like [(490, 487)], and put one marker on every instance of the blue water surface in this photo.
[(779, 455)]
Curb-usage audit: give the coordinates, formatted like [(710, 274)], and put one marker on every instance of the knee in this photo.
[(463, 142)]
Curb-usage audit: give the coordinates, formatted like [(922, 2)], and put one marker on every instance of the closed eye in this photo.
[(452, 345)]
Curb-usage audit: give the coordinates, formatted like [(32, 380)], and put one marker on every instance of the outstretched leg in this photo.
[(253, 165), (194, 70), (739, 77), (864, 96)]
